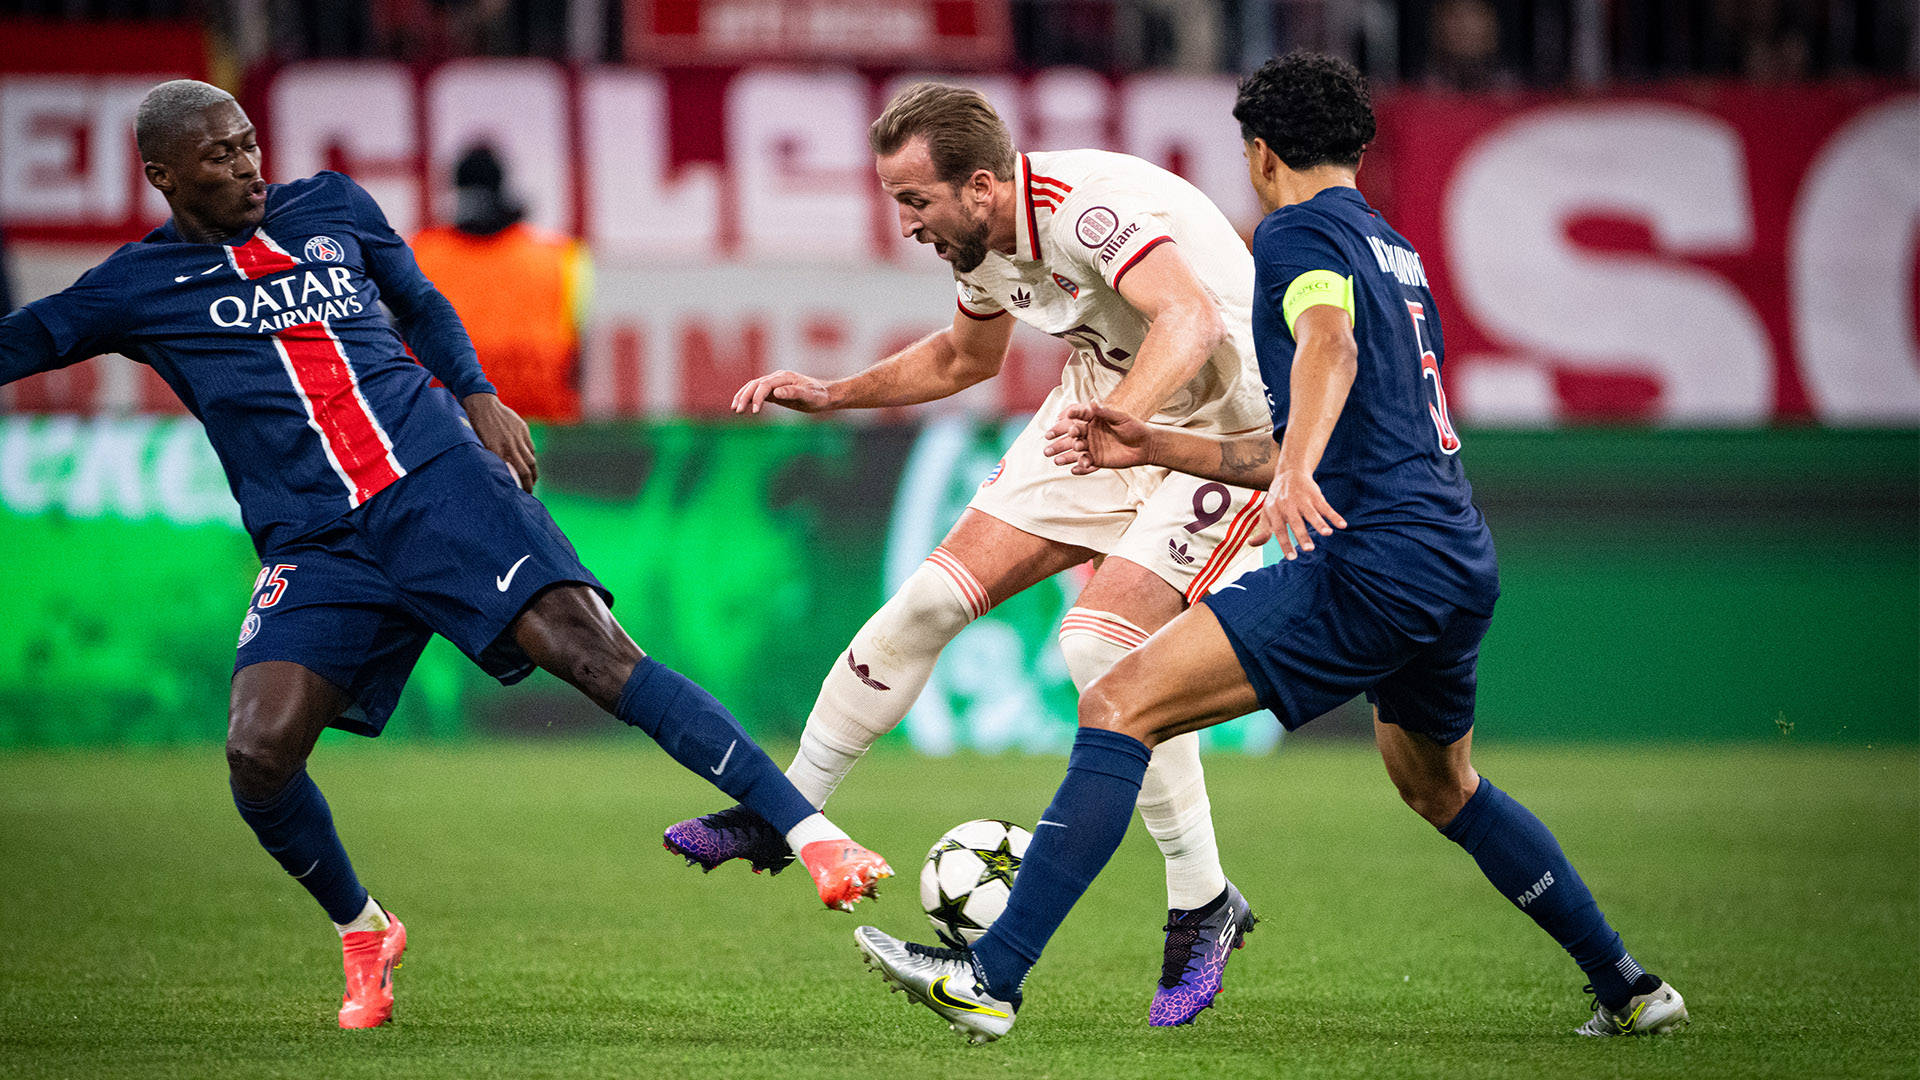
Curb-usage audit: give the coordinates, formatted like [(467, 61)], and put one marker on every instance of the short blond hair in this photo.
[(963, 132)]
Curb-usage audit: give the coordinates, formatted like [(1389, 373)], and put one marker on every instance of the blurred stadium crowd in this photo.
[(1463, 44)]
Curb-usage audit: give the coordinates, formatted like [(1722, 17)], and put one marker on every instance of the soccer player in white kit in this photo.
[(1152, 287)]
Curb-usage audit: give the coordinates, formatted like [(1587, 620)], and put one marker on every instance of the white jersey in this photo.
[(1083, 219)]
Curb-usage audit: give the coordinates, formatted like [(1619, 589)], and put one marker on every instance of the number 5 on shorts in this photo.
[(274, 583)]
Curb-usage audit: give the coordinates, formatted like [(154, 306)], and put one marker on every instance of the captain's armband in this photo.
[(1317, 287)]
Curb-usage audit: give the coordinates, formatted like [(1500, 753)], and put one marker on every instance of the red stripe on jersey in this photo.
[(976, 315), (259, 257), (1061, 188), (1227, 549), (355, 444), (1137, 256), (963, 580)]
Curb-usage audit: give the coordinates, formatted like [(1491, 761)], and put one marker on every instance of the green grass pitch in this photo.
[(147, 936)]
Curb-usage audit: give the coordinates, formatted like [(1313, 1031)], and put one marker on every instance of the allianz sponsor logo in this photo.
[(289, 300), (134, 469), (1403, 263), (1113, 246)]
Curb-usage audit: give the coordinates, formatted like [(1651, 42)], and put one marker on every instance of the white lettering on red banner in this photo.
[(1726, 256)]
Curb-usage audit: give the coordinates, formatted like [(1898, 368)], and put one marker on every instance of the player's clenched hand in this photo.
[(802, 393), (502, 431), (1093, 435), (1296, 510)]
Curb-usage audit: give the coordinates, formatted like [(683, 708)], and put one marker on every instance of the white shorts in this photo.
[(1191, 532)]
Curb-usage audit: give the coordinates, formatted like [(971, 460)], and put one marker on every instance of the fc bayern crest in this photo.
[(325, 249), (1095, 226)]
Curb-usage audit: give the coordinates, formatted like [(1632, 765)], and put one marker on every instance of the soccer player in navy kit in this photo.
[(384, 508), (1387, 587)]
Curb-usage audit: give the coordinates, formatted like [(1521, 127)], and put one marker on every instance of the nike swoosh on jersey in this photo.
[(502, 583), (938, 993), (722, 767)]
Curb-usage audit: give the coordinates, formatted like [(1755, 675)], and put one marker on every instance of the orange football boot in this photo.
[(371, 956), (844, 872)]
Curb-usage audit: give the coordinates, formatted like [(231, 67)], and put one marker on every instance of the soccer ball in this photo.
[(967, 877)]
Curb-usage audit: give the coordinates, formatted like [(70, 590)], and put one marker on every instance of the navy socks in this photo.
[(296, 828), (1525, 863), (699, 733), (1071, 843)]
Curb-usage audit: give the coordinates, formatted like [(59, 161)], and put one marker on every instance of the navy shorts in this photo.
[(1313, 632), (453, 547)]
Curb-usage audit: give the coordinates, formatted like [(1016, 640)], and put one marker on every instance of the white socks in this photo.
[(811, 828), (1175, 810), (371, 917), (875, 681), (1173, 796)]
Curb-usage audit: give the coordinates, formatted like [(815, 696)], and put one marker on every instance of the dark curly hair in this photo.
[(1310, 108)]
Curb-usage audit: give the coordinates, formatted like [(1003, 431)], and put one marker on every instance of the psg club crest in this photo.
[(324, 249), (249, 627)]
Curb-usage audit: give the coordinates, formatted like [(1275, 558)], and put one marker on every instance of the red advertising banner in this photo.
[(955, 33), (1724, 254), (68, 166), (1697, 255), (45, 47)]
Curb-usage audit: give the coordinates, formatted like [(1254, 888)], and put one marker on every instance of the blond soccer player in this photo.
[(1152, 287)]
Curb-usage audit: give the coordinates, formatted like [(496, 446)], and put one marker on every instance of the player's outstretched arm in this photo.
[(1184, 327), (1095, 435), (86, 319), (25, 347), (939, 365), (1324, 366)]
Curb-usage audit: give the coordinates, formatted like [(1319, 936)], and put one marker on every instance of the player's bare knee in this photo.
[(603, 675), (1101, 708), (1435, 798), (594, 662), (1419, 800), (569, 632), (260, 765)]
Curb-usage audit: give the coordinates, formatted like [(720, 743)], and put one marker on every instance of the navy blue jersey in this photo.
[(276, 340), (1391, 467)]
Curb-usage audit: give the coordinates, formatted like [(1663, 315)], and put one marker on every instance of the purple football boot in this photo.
[(733, 833), (1198, 945)]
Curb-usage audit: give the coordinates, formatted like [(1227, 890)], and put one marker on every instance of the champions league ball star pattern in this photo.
[(968, 876)]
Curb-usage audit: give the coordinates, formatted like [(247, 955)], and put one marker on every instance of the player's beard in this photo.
[(967, 251)]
